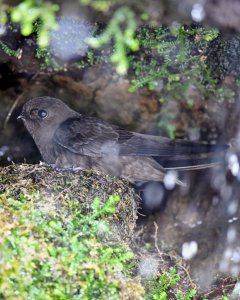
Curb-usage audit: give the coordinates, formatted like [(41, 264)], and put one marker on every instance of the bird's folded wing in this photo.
[(86, 136), (96, 138)]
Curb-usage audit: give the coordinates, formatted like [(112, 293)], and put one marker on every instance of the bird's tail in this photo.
[(198, 161)]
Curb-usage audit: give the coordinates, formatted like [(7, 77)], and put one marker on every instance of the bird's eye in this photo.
[(42, 113), (38, 113)]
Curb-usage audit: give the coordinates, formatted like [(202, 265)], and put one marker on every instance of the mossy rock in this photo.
[(65, 236)]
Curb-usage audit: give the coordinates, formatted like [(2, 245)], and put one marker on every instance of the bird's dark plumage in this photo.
[(68, 139)]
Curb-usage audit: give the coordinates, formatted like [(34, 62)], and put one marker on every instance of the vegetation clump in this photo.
[(70, 236), (55, 244), (28, 12), (171, 61), (176, 58)]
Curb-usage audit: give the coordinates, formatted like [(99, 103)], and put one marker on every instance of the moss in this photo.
[(80, 189), (172, 62), (121, 29), (16, 53), (28, 12), (70, 236), (58, 243), (176, 56), (167, 285), (100, 5)]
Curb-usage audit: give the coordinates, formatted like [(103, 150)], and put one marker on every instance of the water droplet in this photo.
[(198, 13), (231, 234), (189, 250), (170, 180), (233, 164)]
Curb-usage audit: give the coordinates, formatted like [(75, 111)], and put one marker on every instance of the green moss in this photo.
[(172, 63), (60, 240), (121, 29), (29, 11), (3, 13), (48, 61), (166, 287), (45, 256), (9, 51), (176, 56), (100, 5), (63, 252)]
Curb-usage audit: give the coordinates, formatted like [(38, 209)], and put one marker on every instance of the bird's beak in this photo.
[(21, 116)]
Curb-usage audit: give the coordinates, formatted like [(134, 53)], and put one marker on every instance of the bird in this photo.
[(67, 140)]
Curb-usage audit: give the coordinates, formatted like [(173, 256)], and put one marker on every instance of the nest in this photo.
[(54, 188)]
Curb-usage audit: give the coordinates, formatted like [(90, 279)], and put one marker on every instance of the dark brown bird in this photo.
[(69, 140)]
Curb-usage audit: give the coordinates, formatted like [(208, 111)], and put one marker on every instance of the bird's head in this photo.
[(44, 114)]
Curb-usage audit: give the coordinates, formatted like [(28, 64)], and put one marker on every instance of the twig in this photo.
[(181, 266), (156, 244), (188, 275), (221, 289), (161, 256)]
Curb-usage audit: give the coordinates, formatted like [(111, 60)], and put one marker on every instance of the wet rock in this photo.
[(223, 56), (225, 14)]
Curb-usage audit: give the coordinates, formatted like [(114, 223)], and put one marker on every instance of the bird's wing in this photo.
[(89, 136), (96, 138)]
